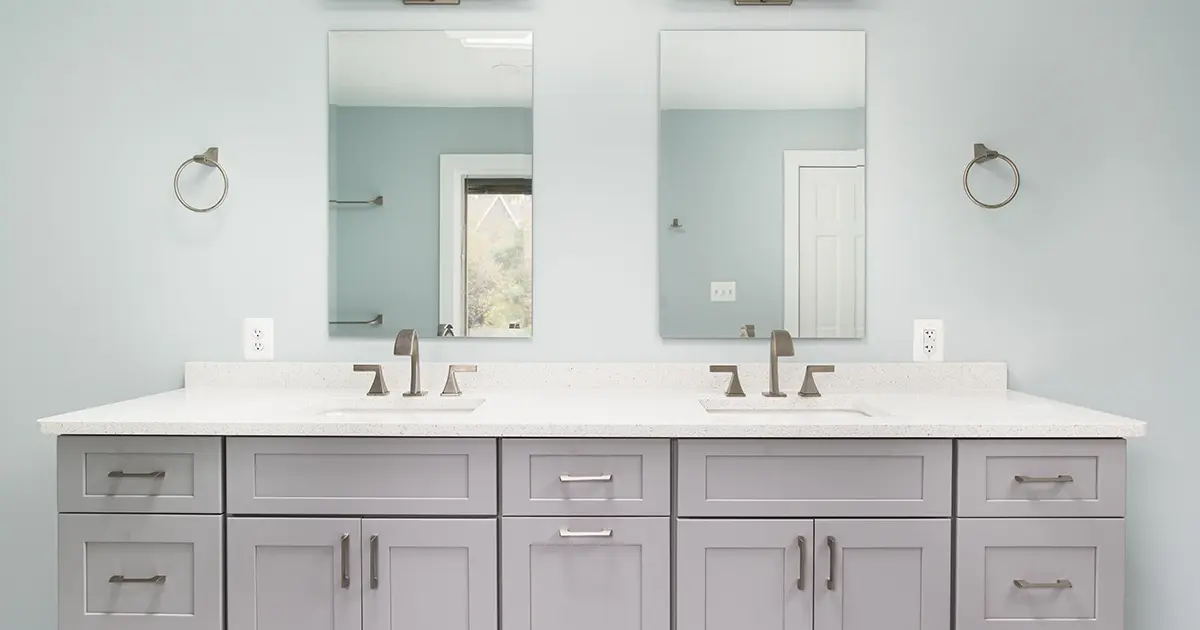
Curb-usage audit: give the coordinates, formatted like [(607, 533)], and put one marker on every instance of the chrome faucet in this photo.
[(407, 346), (781, 346)]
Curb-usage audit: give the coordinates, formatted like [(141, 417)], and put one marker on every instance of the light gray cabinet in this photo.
[(744, 574), (874, 574), (294, 574), (432, 573), (586, 573)]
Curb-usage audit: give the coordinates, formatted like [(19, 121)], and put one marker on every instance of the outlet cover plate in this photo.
[(929, 340), (258, 339)]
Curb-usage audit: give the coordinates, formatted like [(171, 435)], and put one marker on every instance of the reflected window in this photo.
[(498, 257)]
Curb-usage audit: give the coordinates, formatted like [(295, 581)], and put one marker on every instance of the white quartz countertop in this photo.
[(662, 413)]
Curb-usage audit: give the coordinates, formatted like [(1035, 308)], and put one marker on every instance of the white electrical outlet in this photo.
[(258, 339), (929, 340), (723, 291)]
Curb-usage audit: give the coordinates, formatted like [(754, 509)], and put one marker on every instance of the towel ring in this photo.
[(984, 154), (208, 158)]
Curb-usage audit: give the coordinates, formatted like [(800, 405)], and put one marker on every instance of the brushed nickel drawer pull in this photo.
[(1054, 584), (801, 543), (121, 579), (375, 561), (345, 560), (1057, 479), (566, 533), (154, 474), (571, 478)]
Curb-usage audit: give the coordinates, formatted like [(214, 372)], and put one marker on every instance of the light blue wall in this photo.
[(387, 257), (1084, 285), (721, 174)]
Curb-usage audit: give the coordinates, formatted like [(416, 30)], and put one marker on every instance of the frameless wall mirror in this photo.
[(761, 183), (431, 183)]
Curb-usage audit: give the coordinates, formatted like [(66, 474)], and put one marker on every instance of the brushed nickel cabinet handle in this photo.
[(1056, 479), (154, 579), (1054, 584), (603, 533), (572, 478), (345, 560), (801, 543), (375, 561), (832, 543), (154, 474)]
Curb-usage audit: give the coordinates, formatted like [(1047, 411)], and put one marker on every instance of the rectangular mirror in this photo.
[(762, 202), (431, 183)]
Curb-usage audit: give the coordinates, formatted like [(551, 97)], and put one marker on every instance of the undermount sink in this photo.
[(383, 407), (827, 407)]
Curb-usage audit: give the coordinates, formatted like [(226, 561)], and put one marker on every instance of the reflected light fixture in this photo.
[(763, 3), (509, 40)]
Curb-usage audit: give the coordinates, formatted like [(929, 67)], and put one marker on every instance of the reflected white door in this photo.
[(825, 232)]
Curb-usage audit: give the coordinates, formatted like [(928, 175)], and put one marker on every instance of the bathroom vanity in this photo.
[(594, 507)]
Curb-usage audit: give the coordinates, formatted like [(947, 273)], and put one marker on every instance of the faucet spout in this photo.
[(781, 346), (407, 345)]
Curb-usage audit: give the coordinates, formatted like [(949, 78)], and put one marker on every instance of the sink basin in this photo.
[(826, 407), (383, 407)]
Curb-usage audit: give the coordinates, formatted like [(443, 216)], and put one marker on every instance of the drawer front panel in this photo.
[(586, 477), (815, 478), (1041, 478), (361, 476), (1041, 573), (140, 474), (137, 571)]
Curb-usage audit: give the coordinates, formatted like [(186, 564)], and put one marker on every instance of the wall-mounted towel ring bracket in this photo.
[(984, 154), (208, 158)]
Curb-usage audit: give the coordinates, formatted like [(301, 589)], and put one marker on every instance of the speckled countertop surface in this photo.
[(615, 401)]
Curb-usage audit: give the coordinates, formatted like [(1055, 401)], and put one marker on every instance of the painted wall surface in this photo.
[(1083, 285), (387, 259), (721, 175)]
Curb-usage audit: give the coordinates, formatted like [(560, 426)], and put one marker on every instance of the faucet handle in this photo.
[(734, 390), (378, 386), (809, 388), (451, 388)]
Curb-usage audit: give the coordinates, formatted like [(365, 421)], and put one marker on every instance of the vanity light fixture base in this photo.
[(430, 1), (763, 3)]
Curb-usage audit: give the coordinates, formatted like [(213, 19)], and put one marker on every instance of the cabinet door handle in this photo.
[(603, 533), (374, 561), (1056, 479), (345, 560), (1054, 584), (801, 543), (831, 542), (154, 474), (121, 579), (571, 478)]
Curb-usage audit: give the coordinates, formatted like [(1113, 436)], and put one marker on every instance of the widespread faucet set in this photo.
[(407, 345), (781, 346)]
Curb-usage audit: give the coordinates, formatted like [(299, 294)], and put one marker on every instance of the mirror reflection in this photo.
[(431, 183), (762, 183)]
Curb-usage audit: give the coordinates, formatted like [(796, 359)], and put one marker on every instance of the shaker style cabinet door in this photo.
[(744, 574), (874, 574), (294, 574), (433, 573), (586, 573)]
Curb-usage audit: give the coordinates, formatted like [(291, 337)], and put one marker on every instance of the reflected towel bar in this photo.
[(378, 201), (374, 321)]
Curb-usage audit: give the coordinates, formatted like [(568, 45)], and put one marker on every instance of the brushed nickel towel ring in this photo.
[(208, 158), (984, 154)]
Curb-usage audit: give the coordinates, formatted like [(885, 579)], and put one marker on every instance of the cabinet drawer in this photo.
[(586, 477), (140, 572), (139, 474), (815, 478), (1040, 478), (1041, 574), (361, 476)]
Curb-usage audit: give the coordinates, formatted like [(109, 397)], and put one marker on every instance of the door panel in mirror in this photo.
[(430, 183), (762, 184)]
